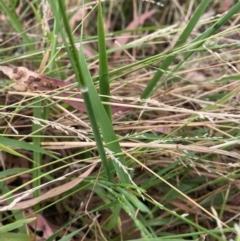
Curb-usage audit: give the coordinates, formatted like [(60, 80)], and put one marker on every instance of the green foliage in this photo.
[(167, 166)]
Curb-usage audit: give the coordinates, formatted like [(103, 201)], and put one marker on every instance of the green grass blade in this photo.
[(17, 224), (204, 36), (14, 20), (37, 157), (69, 236), (198, 40), (182, 39), (99, 114), (105, 124), (12, 171), (73, 55), (26, 146), (103, 64), (11, 151), (15, 237), (4, 189)]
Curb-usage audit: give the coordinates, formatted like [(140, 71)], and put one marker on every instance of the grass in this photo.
[(150, 149)]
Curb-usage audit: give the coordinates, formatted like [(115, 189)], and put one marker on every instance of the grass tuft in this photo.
[(134, 134)]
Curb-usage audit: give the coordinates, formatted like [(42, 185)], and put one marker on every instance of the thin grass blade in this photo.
[(199, 41), (182, 39), (96, 112), (14, 20), (103, 64)]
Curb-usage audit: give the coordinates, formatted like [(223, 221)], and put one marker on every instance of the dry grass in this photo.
[(181, 144)]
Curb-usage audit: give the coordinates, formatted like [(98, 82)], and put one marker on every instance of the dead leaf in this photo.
[(225, 6), (195, 77), (123, 39), (50, 194), (21, 76), (40, 224), (27, 80), (77, 17)]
